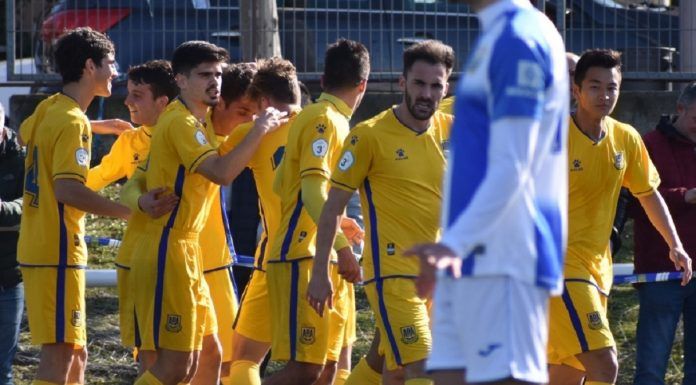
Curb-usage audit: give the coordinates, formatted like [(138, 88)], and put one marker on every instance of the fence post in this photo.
[(10, 43), (259, 28), (687, 29)]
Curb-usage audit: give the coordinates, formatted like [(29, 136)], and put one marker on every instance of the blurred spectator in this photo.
[(672, 148), (11, 286)]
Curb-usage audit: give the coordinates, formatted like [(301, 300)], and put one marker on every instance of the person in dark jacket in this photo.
[(672, 148), (11, 287)]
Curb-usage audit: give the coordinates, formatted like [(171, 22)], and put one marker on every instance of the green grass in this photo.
[(109, 363)]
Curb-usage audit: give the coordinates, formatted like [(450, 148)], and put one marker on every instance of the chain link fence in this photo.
[(657, 37)]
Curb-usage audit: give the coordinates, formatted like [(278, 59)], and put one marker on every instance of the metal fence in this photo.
[(658, 42)]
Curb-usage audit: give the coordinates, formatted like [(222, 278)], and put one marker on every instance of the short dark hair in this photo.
[(430, 51), (190, 54), (687, 96), (275, 78), (604, 58), (346, 64), (236, 80), (73, 49), (158, 75)]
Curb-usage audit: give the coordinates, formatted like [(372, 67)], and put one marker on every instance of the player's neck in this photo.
[(199, 110), (348, 96), (592, 126), (81, 93), (404, 116)]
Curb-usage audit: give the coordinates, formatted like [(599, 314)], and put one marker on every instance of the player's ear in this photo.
[(90, 66), (402, 82)]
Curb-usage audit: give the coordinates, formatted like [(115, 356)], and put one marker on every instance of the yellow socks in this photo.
[(341, 376), (244, 373), (147, 379), (42, 382), (363, 374), (419, 381)]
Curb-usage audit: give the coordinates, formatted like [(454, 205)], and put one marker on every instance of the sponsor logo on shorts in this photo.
[(303, 235), (76, 318), (619, 163), (173, 323), (391, 249), (409, 335), (307, 335), (595, 320), (489, 349)]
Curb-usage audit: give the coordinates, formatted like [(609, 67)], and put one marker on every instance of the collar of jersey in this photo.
[(492, 13), (67, 99), (340, 105)]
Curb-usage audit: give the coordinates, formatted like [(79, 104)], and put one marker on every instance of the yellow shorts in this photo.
[(350, 337), (253, 319), (169, 291), (126, 308), (55, 299), (222, 294), (402, 319), (298, 332), (578, 323)]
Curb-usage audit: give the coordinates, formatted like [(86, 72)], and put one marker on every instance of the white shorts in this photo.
[(493, 327)]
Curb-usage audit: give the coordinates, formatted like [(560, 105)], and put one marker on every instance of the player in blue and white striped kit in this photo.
[(505, 208)]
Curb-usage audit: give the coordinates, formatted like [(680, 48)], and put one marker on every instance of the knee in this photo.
[(601, 365)]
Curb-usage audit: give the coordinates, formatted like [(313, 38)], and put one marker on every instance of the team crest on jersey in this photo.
[(76, 318), (409, 335), (619, 162), (173, 323), (320, 147), (401, 154), (577, 165), (303, 235), (307, 335), (82, 157), (594, 320), (321, 128), (391, 249), (346, 161), (200, 138)]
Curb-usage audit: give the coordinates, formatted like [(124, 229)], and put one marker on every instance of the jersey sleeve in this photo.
[(234, 138), (354, 163), (318, 143), (191, 143), (71, 154), (641, 176), (133, 189), (117, 164)]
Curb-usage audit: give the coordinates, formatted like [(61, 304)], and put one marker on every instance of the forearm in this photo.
[(326, 235), (314, 197), (10, 213), (225, 168), (658, 213), (75, 194)]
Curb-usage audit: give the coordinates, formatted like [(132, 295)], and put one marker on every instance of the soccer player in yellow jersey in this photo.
[(396, 159), (151, 87), (275, 85), (171, 295), (603, 156), (58, 137), (311, 344)]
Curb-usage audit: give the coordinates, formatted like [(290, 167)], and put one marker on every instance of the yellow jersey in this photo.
[(129, 149), (58, 138), (263, 165), (598, 170), (179, 144), (447, 105), (314, 143), (216, 238), (136, 223), (399, 173)]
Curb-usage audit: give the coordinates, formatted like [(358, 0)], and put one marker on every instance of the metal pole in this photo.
[(10, 26), (560, 18), (259, 27), (687, 29)]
